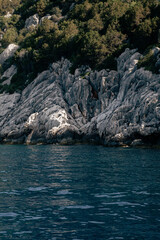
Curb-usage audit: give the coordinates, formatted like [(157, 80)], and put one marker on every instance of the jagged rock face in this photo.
[(8, 52), (108, 107)]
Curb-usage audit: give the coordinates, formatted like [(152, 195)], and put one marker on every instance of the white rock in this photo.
[(8, 15), (32, 21), (45, 17), (61, 117), (32, 120), (8, 52)]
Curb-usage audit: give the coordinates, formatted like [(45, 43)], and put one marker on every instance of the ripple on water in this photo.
[(13, 192), (77, 207), (141, 192), (63, 192), (29, 218), (111, 195), (122, 204), (22, 233), (95, 222), (9, 214), (36, 189), (115, 238)]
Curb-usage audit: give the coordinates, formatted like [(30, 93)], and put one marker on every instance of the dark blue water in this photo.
[(79, 192)]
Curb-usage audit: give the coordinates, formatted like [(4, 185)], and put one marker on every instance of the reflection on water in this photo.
[(79, 192)]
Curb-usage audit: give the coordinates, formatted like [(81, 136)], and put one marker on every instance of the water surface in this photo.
[(79, 192)]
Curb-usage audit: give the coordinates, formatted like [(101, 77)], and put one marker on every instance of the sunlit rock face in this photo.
[(32, 21), (108, 107), (47, 17)]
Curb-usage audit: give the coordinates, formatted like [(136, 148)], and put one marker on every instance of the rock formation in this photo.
[(107, 107), (32, 21)]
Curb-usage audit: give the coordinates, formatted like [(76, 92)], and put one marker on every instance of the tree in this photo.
[(46, 26), (114, 38), (81, 11), (93, 48), (41, 5), (95, 23), (8, 6), (146, 33), (10, 36)]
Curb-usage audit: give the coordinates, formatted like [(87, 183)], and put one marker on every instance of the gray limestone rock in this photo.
[(109, 107), (32, 21), (8, 74)]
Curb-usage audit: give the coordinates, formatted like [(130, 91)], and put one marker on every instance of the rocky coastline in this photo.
[(112, 108)]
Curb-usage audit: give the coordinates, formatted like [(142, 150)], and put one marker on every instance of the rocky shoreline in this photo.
[(113, 108)]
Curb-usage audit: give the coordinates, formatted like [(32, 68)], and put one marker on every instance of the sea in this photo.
[(80, 192)]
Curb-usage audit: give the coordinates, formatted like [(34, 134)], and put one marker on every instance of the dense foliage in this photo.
[(92, 32)]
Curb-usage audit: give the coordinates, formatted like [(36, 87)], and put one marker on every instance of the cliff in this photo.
[(107, 107)]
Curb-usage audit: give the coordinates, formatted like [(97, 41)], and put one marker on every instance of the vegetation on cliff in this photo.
[(87, 32)]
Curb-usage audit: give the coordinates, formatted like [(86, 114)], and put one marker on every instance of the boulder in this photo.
[(32, 21), (48, 17), (8, 52)]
